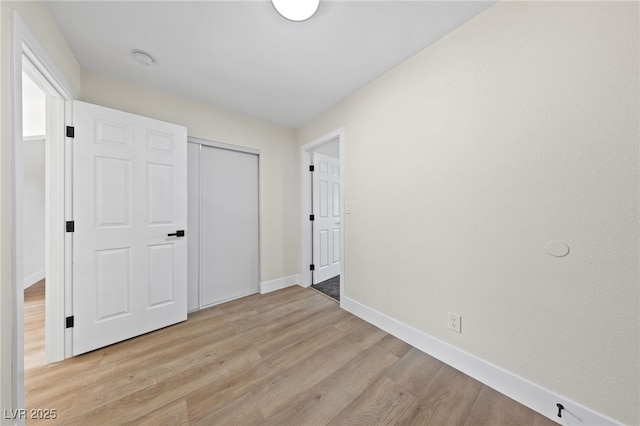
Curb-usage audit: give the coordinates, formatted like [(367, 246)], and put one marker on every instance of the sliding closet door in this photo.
[(229, 262)]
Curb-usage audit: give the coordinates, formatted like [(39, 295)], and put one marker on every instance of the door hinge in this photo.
[(71, 131), (70, 226), (312, 217), (69, 321), (312, 267), (312, 168)]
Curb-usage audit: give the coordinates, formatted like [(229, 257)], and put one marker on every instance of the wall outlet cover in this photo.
[(453, 322)]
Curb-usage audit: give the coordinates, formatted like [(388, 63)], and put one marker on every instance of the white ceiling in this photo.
[(243, 56)]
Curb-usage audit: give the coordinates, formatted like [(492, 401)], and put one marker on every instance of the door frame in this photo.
[(305, 234), (54, 210), (39, 64)]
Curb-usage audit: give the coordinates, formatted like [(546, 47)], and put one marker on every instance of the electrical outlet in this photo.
[(453, 322)]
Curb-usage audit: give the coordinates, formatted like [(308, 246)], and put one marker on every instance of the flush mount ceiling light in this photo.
[(143, 58), (296, 10)]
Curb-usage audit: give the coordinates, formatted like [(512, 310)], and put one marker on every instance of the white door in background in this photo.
[(326, 211), (229, 225), (129, 195)]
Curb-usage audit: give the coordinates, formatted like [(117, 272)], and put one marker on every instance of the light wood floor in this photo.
[(291, 357)]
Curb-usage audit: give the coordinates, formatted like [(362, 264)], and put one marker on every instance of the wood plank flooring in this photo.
[(290, 357)]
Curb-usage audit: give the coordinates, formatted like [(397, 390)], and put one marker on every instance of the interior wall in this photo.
[(34, 112), (279, 220), (34, 120), (36, 16), (33, 210), (6, 294), (517, 129)]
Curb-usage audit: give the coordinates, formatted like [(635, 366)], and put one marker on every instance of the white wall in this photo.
[(33, 219), (6, 294), (278, 172), (36, 16), (34, 120), (34, 113), (519, 128)]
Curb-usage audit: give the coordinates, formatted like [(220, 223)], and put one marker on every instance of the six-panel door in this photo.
[(326, 210), (129, 194)]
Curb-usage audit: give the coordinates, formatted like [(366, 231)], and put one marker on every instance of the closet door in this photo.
[(229, 252)]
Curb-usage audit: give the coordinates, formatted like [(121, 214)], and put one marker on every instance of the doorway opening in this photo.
[(40, 202), (29, 57), (34, 138), (322, 206)]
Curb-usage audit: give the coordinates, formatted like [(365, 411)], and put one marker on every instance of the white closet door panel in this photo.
[(193, 226), (229, 251)]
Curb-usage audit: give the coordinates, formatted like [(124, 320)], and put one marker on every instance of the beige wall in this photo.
[(278, 172), (35, 15), (517, 129)]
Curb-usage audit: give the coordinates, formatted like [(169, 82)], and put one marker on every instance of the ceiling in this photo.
[(243, 56)]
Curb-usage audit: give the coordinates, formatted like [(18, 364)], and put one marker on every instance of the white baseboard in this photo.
[(525, 392), (273, 285), (33, 278)]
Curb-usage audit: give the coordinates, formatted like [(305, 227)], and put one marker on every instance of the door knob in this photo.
[(176, 234)]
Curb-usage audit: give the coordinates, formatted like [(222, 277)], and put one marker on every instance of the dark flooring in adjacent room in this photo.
[(330, 287)]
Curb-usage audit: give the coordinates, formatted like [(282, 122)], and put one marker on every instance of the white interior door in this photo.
[(326, 211), (229, 225), (129, 195)]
